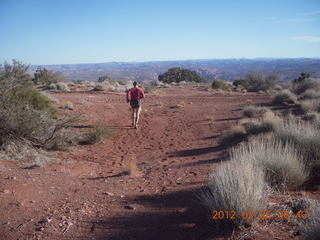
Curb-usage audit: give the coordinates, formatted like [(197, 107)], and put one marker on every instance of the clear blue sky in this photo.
[(90, 31)]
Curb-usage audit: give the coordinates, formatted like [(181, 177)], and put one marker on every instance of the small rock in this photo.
[(108, 193), (130, 206), (39, 229), (33, 166), (5, 191), (10, 178)]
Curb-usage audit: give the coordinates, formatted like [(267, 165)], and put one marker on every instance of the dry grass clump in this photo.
[(237, 185), (305, 138), (131, 169), (249, 127), (252, 111), (310, 227), (270, 121), (100, 131), (220, 84), (310, 94), (310, 105), (283, 166), (284, 97), (306, 84), (236, 134)]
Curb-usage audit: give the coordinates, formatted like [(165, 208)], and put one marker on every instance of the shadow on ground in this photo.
[(177, 215)]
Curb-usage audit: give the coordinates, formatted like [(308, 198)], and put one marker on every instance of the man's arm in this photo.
[(128, 96), (142, 95)]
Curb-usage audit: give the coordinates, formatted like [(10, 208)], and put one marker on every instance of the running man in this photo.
[(134, 96)]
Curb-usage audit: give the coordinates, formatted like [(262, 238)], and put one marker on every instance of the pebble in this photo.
[(108, 193), (130, 207)]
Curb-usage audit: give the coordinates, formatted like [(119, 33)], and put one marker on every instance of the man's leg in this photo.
[(133, 117), (138, 115)]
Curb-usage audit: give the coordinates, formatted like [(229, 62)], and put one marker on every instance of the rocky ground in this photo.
[(138, 184)]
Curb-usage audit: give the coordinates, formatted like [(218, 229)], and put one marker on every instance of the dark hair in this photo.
[(135, 83)]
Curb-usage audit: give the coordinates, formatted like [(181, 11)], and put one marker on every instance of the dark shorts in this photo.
[(135, 103)]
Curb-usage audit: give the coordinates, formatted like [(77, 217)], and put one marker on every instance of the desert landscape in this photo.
[(152, 120), (140, 183)]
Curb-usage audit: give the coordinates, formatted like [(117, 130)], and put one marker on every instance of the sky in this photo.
[(93, 31)]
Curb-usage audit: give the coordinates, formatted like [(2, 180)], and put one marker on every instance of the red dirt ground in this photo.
[(85, 193)]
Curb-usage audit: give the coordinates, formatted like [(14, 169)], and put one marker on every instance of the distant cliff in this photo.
[(227, 69)]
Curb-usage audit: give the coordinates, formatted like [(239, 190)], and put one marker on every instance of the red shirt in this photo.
[(135, 93)]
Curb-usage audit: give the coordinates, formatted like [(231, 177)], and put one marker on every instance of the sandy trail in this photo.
[(88, 196)]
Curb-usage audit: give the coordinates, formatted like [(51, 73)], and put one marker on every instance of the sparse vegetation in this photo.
[(241, 82), (282, 164), (220, 84), (305, 138), (252, 110), (284, 97), (258, 82), (178, 75), (47, 77), (238, 185), (100, 132), (310, 105), (310, 227)]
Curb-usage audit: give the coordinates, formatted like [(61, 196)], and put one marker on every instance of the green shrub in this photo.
[(33, 98), (177, 74), (284, 96), (220, 84), (47, 77), (241, 82)]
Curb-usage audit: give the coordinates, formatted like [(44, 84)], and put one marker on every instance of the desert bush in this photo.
[(178, 74), (241, 82), (237, 185), (59, 86), (306, 84), (249, 127), (311, 116), (310, 226), (258, 82), (26, 116), (100, 131), (33, 98), (252, 110), (220, 84), (104, 78), (148, 88), (305, 138), (235, 135), (47, 77), (310, 105), (98, 87), (14, 76), (283, 166), (310, 94), (284, 96)]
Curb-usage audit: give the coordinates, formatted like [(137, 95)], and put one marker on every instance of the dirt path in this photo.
[(88, 195)]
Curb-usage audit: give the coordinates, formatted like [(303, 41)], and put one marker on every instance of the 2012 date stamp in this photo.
[(262, 214)]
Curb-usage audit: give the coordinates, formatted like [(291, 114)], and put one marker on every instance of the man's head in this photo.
[(135, 83)]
